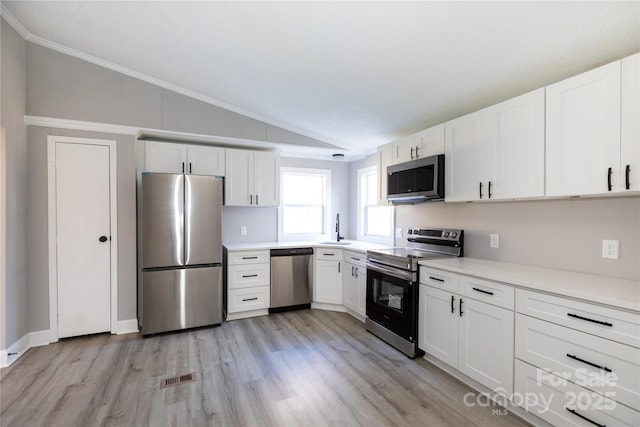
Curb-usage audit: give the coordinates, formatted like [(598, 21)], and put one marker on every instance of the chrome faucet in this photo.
[(338, 236)]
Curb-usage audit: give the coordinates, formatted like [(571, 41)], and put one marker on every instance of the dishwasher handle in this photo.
[(291, 252)]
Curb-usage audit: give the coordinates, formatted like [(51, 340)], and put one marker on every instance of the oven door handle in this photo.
[(394, 272)]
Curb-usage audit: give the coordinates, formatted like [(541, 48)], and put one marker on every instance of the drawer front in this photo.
[(248, 299), (248, 257), (247, 276), (439, 279), (328, 254), (355, 258), (605, 322), (562, 403), (487, 291), (604, 366)]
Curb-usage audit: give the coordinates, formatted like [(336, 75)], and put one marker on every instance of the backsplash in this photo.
[(562, 234)]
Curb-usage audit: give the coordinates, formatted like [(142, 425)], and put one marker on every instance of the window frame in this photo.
[(326, 173), (361, 209)]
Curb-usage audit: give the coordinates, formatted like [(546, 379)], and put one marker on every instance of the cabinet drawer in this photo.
[(610, 367), (329, 254), (487, 291), (604, 322), (552, 399), (246, 276), (248, 257), (439, 279), (355, 258), (248, 299)]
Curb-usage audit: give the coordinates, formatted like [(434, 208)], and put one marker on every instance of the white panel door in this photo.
[(83, 239), (267, 179), (164, 157), (438, 324), (485, 351), (238, 184), (385, 158), (205, 160), (430, 142), (463, 146), (583, 132), (328, 282), (630, 120)]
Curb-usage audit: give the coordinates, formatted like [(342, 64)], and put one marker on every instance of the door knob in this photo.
[(103, 239)]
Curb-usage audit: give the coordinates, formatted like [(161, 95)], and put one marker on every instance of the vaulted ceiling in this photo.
[(353, 74)]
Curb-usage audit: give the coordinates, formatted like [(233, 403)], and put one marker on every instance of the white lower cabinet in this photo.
[(354, 286), (248, 284), (327, 287), (563, 403), (472, 336)]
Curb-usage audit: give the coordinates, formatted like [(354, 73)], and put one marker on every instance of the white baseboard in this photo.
[(128, 326), (17, 349), (329, 307)]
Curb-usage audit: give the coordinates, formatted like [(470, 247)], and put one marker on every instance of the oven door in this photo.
[(392, 299)]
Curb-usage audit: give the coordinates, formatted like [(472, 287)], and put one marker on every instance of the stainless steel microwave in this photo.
[(416, 181)]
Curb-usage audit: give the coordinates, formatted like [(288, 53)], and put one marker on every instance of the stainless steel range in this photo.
[(392, 284)]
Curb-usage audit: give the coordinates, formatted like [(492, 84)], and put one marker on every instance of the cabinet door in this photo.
[(267, 179), (486, 344), (165, 157), (205, 160), (514, 154), (630, 120), (238, 184), (385, 158), (583, 132), (463, 146), (350, 287), (404, 149), (328, 282), (438, 324), (430, 142), (361, 287)]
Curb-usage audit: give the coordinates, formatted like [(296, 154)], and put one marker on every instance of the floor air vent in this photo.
[(180, 379)]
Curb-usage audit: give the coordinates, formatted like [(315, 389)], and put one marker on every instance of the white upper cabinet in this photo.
[(384, 159), (497, 153), (630, 121), (252, 178), (419, 145), (513, 160), (465, 138), (167, 157), (583, 133)]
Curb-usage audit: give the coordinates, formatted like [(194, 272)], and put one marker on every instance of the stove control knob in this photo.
[(409, 231), (454, 235), (445, 234)]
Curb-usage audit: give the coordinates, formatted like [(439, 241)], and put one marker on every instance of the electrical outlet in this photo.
[(610, 249), (399, 233), (243, 230), (494, 241)]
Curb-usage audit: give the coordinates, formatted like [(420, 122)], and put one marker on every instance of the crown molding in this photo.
[(13, 22)]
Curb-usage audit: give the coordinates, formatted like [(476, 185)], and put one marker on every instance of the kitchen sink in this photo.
[(333, 242)]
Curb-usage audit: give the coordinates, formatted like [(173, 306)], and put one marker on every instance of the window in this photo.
[(375, 223), (304, 211)]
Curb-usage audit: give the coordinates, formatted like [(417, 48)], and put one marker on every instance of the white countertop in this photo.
[(600, 289), (354, 245)]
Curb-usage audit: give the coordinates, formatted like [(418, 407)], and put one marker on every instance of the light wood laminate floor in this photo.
[(302, 368)]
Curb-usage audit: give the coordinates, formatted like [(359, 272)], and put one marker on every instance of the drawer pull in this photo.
[(436, 279), (599, 322), (249, 257), (482, 291), (249, 275), (574, 412), (328, 254), (571, 356), (249, 299), (355, 259)]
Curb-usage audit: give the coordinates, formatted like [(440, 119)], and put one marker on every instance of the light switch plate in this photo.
[(243, 230), (494, 240), (399, 233)]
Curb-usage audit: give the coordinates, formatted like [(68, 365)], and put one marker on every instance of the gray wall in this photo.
[(12, 118), (65, 87), (262, 223), (37, 248)]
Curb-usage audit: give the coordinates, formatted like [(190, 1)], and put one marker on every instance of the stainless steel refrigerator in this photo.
[(180, 283)]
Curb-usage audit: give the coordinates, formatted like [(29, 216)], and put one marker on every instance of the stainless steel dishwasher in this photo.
[(291, 281)]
